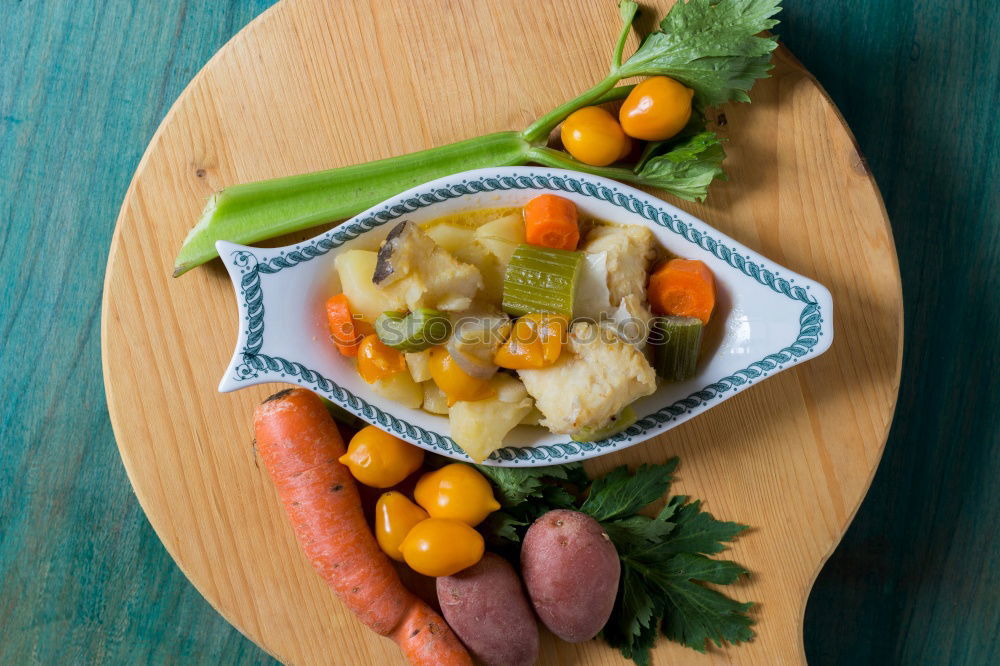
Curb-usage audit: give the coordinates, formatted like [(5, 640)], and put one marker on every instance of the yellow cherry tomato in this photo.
[(395, 516), (593, 136), (656, 109), (379, 460), (377, 361), (536, 342), (455, 383), (456, 491), (626, 148), (442, 547)]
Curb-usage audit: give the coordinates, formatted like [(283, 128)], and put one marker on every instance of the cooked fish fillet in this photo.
[(594, 379)]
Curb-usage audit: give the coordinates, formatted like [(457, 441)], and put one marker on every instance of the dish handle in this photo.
[(242, 263)]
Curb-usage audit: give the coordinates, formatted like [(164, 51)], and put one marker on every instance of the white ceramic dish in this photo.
[(767, 318)]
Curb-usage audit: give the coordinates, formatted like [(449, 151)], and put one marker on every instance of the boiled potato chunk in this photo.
[(435, 401), (419, 365), (480, 426), (400, 388), (502, 236), (509, 389), (451, 237), (355, 269)]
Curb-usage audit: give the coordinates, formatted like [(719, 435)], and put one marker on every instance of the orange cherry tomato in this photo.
[(442, 547), (395, 516), (656, 109), (536, 342), (379, 460), (455, 382), (457, 492), (376, 360), (593, 136)]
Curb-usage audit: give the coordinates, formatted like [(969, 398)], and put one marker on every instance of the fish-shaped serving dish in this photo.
[(767, 317)]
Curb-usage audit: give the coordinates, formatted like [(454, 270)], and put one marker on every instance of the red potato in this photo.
[(485, 605), (571, 570)]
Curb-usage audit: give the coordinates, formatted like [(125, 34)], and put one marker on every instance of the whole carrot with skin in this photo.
[(300, 444)]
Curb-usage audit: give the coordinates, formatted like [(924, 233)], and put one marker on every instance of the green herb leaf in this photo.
[(516, 484), (687, 169), (689, 612), (634, 621), (620, 493), (558, 497), (691, 566), (697, 531), (637, 532), (711, 46), (698, 614), (501, 529), (696, 125)]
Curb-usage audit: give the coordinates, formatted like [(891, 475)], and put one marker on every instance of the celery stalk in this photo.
[(711, 47), (253, 212)]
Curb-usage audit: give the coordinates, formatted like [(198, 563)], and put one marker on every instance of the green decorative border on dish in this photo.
[(254, 363)]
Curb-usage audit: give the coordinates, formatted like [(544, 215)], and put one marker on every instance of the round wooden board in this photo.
[(313, 84)]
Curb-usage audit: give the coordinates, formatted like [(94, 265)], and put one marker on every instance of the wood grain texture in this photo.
[(801, 447)]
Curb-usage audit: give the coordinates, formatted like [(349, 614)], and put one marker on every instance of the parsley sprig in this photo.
[(665, 558)]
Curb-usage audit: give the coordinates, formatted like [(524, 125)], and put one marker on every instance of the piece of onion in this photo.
[(474, 342), (593, 298)]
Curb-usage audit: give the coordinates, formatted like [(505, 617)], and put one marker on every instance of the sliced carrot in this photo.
[(551, 221), (343, 325), (684, 288), (299, 444)]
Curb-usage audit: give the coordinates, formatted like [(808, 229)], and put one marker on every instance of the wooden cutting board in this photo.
[(313, 84)]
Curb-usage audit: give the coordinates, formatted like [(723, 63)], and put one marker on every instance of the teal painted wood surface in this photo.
[(84, 84)]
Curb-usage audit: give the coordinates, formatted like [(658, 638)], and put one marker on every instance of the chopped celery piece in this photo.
[(676, 342), (541, 279), (421, 329), (624, 419)]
